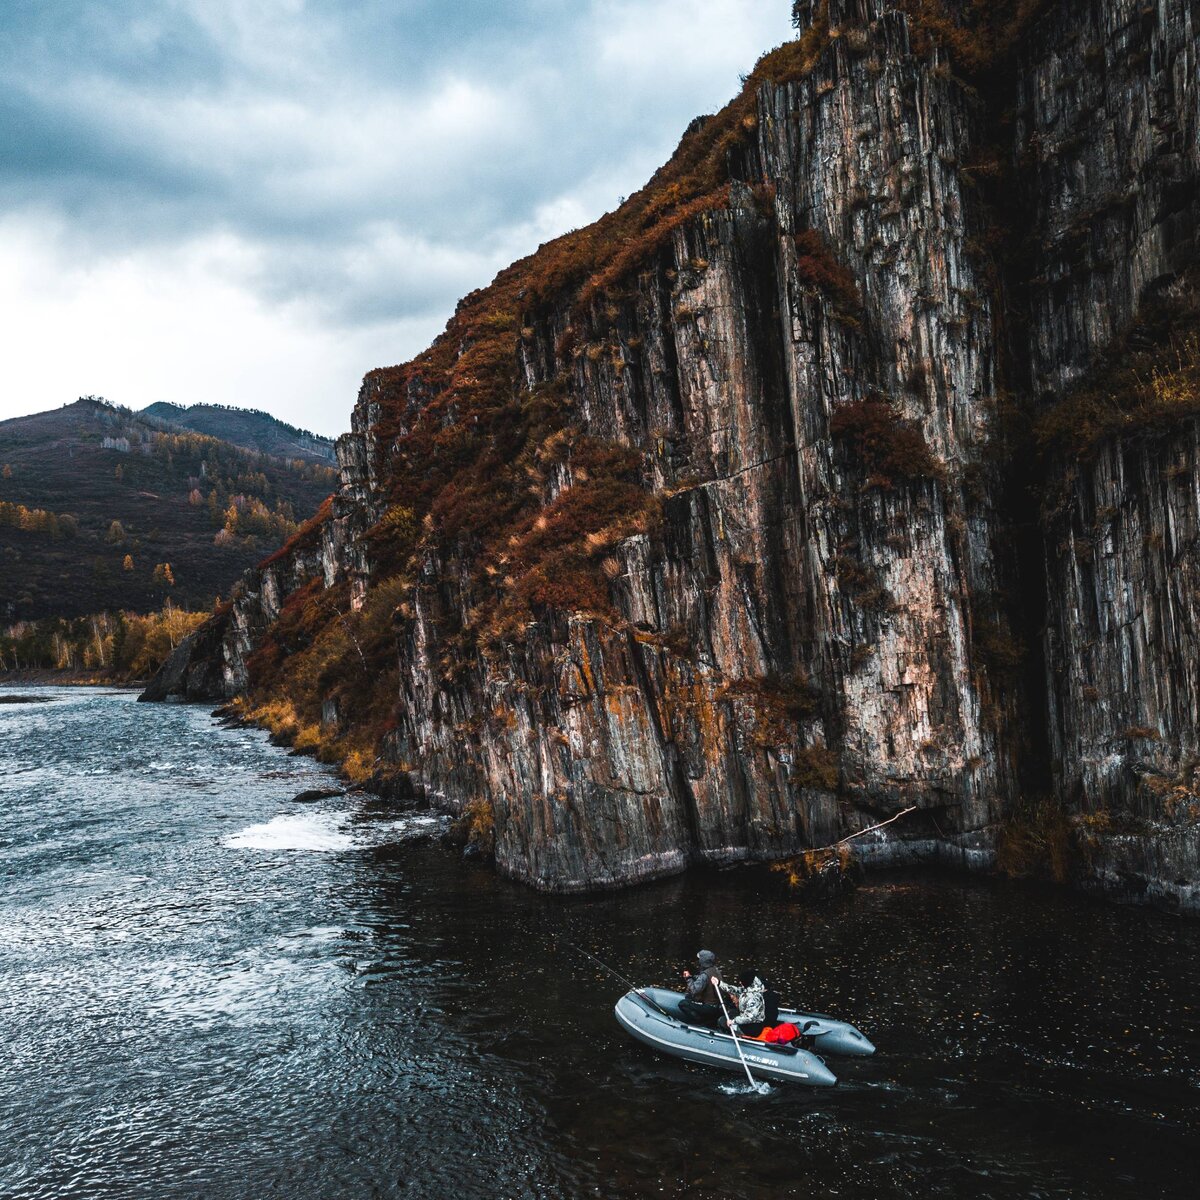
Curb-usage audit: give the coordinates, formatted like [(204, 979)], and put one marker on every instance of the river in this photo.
[(207, 989)]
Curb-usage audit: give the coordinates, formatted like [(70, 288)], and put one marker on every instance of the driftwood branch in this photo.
[(869, 829)]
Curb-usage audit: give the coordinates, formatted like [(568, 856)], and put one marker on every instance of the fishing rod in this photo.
[(633, 987)]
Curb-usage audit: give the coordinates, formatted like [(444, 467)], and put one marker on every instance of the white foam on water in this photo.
[(405, 826), (321, 832), (327, 832), (744, 1089)]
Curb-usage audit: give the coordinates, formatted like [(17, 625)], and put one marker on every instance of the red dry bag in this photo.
[(781, 1033)]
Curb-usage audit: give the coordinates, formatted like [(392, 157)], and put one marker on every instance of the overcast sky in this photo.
[(255, 203)]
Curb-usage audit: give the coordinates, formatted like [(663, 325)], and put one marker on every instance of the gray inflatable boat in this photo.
[(652, 1016)]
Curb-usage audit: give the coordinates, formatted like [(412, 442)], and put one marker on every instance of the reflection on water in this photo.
[(209, 990)]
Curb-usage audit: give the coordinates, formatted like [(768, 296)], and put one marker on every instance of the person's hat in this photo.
[(706, 958)]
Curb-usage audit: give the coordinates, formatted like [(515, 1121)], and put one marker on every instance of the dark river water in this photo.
[(207, 990)]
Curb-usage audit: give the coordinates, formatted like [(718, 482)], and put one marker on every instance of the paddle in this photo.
[(737, 1044)]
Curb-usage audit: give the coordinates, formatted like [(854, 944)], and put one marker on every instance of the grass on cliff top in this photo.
[(307, 535), (1146, 384), (977, 34)]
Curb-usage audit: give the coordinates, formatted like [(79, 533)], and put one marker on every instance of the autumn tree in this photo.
[(127, 564), (163, 575), (123, 645)]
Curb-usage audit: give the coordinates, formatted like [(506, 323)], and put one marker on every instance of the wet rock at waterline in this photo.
[(313, 794)]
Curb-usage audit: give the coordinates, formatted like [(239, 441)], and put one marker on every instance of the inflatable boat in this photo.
[(652, 1016)]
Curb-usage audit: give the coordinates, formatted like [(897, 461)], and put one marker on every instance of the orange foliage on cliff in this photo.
[(817, 267), (977, 33), (484, 476)]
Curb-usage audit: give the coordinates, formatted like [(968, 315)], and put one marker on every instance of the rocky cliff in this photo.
[(1108, 130), (745, 518)]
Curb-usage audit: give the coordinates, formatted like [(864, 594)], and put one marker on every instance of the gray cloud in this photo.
[(374, 159)]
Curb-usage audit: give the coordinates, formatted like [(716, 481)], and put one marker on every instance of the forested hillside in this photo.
[(248, 428), (111, 647), (102, 509)]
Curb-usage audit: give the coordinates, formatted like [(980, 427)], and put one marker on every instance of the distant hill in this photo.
[(246, 427), (95, 498)]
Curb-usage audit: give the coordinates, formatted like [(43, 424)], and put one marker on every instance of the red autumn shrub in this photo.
[(887, 446), (817, 267)]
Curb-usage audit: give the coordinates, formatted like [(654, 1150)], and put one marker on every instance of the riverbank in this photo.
[(46, 678)]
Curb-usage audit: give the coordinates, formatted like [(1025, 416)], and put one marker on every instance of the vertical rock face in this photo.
[(816, 623), (1109, 123), (794, 655), (1123, 629), (1108, 126), (1122, 651)]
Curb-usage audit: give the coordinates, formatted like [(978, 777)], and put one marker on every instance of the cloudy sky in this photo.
[(254, 203)]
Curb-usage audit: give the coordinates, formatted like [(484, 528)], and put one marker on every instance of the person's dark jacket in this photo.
[(701, 988)]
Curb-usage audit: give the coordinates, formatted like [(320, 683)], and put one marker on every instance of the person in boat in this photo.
[(701, 1004), (751, 1001)]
